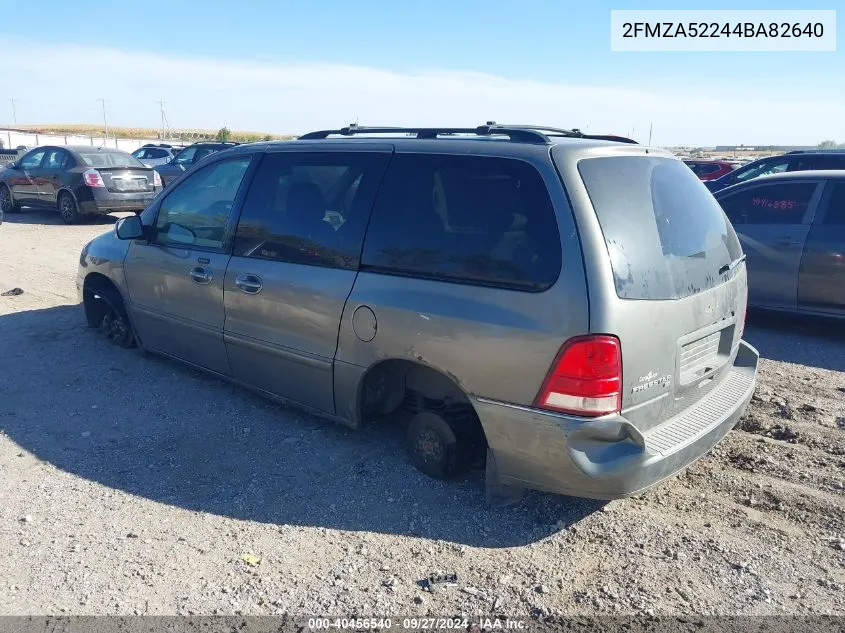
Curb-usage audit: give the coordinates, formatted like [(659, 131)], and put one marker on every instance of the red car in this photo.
[(709, 169)]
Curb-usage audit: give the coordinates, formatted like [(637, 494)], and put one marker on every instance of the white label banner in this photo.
[(728, 30)]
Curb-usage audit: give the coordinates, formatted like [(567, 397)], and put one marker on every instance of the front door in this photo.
[(175, 280), (23, 183), (772, 222), (821, 281), (294, 262)]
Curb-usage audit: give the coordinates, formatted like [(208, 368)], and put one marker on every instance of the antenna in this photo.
[(650, 128)]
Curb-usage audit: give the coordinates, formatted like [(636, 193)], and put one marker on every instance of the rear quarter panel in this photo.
[(493, 343)]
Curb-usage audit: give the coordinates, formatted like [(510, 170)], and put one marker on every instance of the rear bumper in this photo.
[(586, 458), (103, 201)]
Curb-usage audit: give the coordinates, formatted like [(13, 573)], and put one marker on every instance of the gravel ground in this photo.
[(130, 484)]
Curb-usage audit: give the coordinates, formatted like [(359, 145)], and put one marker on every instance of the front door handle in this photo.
[(201, 275), (249, 284)]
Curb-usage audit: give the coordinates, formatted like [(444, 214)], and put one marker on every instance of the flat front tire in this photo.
[(109, 316)]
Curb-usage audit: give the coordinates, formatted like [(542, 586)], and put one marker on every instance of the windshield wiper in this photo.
[(729, 267)]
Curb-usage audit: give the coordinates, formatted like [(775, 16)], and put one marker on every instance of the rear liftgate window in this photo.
[(666, 235)]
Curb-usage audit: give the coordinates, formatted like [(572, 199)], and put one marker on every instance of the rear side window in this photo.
[(702, 169), (56, 159), (155, 153), (310, 208), (822, 161), (468, 219), (784, 203), (835, 214), (666, 236)]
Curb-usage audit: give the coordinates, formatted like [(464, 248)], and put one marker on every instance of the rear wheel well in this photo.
[(64, 191), (397, 390)]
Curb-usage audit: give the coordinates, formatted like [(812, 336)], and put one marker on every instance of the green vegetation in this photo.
[(224, 134)]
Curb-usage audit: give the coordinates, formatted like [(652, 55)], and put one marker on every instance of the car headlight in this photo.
[(83, 256)]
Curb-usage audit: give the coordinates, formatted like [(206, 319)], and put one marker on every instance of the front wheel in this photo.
[(104, 310), (68, 209), (7, 204)]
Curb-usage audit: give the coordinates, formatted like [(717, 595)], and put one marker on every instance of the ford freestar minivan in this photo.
[(566, 309)]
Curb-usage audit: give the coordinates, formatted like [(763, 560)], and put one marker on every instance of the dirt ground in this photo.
[(130, 484)]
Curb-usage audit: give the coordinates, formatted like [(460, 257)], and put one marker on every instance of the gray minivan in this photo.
[(565, 309)]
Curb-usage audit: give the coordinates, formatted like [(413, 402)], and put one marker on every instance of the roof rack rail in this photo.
[(573, 133), (537, 134)]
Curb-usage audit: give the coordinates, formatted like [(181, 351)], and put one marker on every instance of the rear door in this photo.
[(666, 277), (52, 171), (294, 263), (175, 280), (821, 280), (772, 220)]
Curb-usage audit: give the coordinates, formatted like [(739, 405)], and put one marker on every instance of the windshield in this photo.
[(666, 235), (110, 159)]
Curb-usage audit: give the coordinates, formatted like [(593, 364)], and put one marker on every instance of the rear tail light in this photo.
[(92, 178), (586, 378), (156, 179)]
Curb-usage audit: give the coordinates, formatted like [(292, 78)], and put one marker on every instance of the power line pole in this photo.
[(14, 111), (105, 122), (650, 128), (161, 105)]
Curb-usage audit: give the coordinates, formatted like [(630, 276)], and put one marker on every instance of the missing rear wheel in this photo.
[(432, 445)]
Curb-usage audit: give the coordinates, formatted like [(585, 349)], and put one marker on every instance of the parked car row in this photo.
[(77, 181), (792, 229), (80, 181), (793, 161), (186, 158), (153, 154), (709, 169), (565, 310)]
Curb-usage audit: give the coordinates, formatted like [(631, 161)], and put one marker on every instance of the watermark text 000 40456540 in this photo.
[(728, 30)]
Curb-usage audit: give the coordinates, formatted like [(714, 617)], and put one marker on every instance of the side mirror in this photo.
[(129, 228), (12, 165)]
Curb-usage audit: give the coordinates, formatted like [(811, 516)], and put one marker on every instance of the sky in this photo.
[(290, 67)]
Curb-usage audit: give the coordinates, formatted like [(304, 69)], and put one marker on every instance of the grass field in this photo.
[(148, 133)]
